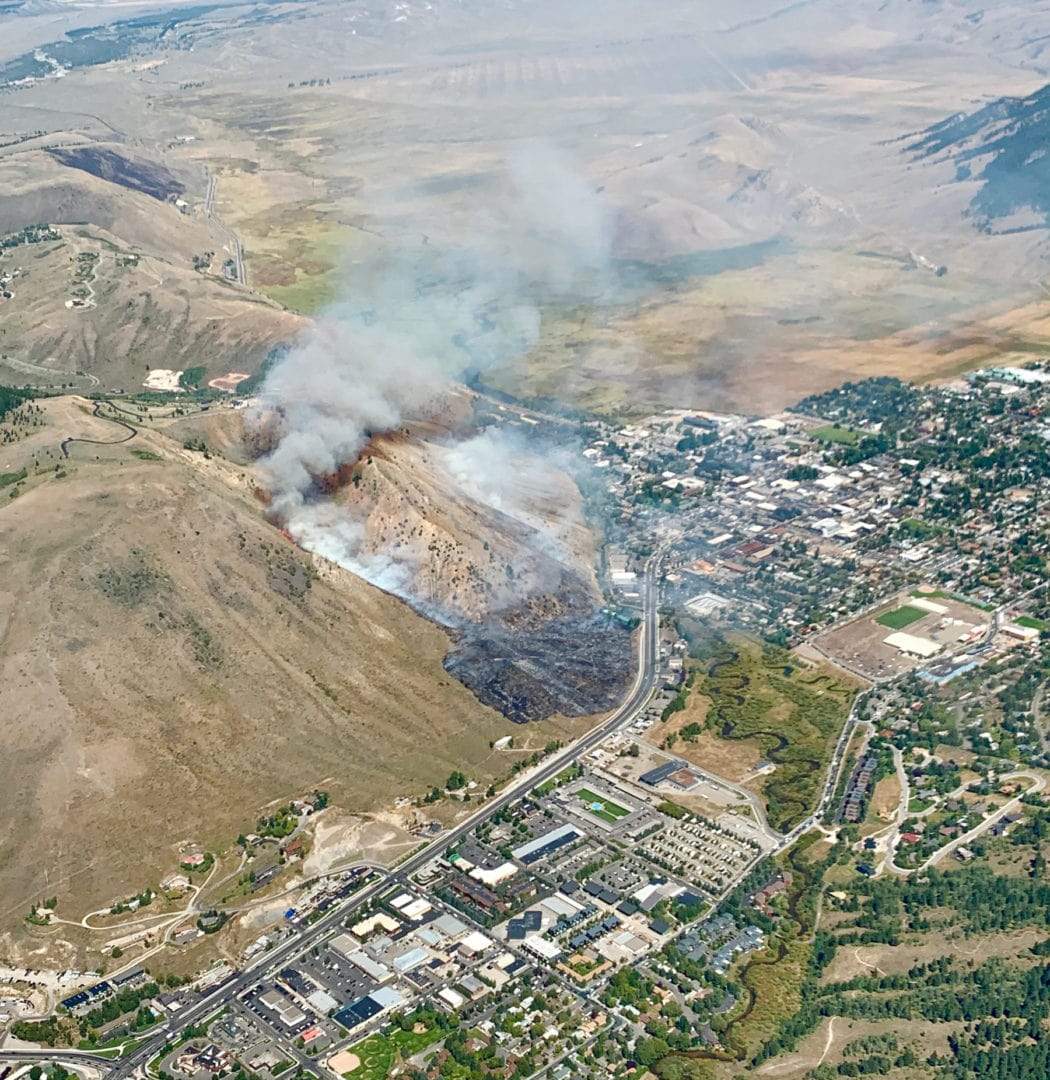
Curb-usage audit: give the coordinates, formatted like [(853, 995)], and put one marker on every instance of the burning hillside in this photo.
[(466, 530), (482, 533), (370, 458)]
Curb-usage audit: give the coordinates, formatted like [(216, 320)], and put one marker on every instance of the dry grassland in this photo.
[(854, 961), (170, 664)]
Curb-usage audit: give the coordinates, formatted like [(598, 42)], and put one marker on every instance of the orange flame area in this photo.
[(331, 482)]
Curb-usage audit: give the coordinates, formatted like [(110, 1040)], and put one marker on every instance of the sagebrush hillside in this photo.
[(170, 663)]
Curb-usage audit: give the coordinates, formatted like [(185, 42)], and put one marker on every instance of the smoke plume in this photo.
[(425, 321)]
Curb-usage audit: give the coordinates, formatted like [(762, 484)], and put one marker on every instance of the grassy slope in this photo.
[(166, 673)]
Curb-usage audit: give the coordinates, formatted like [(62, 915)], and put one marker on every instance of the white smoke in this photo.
[(328, 530), (501, 469), (376, 360)]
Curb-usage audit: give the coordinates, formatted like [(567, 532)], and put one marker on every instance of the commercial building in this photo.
[(541, 948), (662, 772), (912, 644), (544, 845)]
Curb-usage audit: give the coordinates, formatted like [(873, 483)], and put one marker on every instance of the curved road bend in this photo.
[(637, 697), (63, 446)]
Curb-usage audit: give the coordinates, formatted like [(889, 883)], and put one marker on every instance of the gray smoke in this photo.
[(378, 357), (502, 469)]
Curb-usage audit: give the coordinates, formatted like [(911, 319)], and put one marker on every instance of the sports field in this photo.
[(832, 433), (607, 811), (901, 617)]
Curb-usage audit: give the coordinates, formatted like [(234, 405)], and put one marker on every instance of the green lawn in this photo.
[(831, 433), (379, 1053), (1031, 623), (901, 617), (919, 530), (609, 811)]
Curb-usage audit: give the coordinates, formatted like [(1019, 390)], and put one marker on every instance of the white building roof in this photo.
[(927, 605), (417, 909), (494, 876), (411, 960), (322, 1001), (451, 998), (475, 942), (912, 644), (561, 905), (364, 963), (541, 947), (387, 997), (448, 926)]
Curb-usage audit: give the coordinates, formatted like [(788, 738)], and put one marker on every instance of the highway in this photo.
[(269, 963), (648, 666)]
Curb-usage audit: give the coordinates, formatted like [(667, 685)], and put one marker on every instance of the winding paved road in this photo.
[(64, 445)]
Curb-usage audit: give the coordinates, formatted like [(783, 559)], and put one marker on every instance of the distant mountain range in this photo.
[(1006, 147)]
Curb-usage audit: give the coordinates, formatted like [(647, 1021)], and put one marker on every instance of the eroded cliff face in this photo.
[(526, 555)]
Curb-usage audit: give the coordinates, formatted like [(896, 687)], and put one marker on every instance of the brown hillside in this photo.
[(467, 555), (169, 663)]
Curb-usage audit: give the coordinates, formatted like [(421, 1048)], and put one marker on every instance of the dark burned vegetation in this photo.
[(147, 177), (574, 666)]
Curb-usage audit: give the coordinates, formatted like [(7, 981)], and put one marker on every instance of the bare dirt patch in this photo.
[(885, 800), (860, 646), (734, 760), (229, 382), (343, 1062), (341, 838)]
